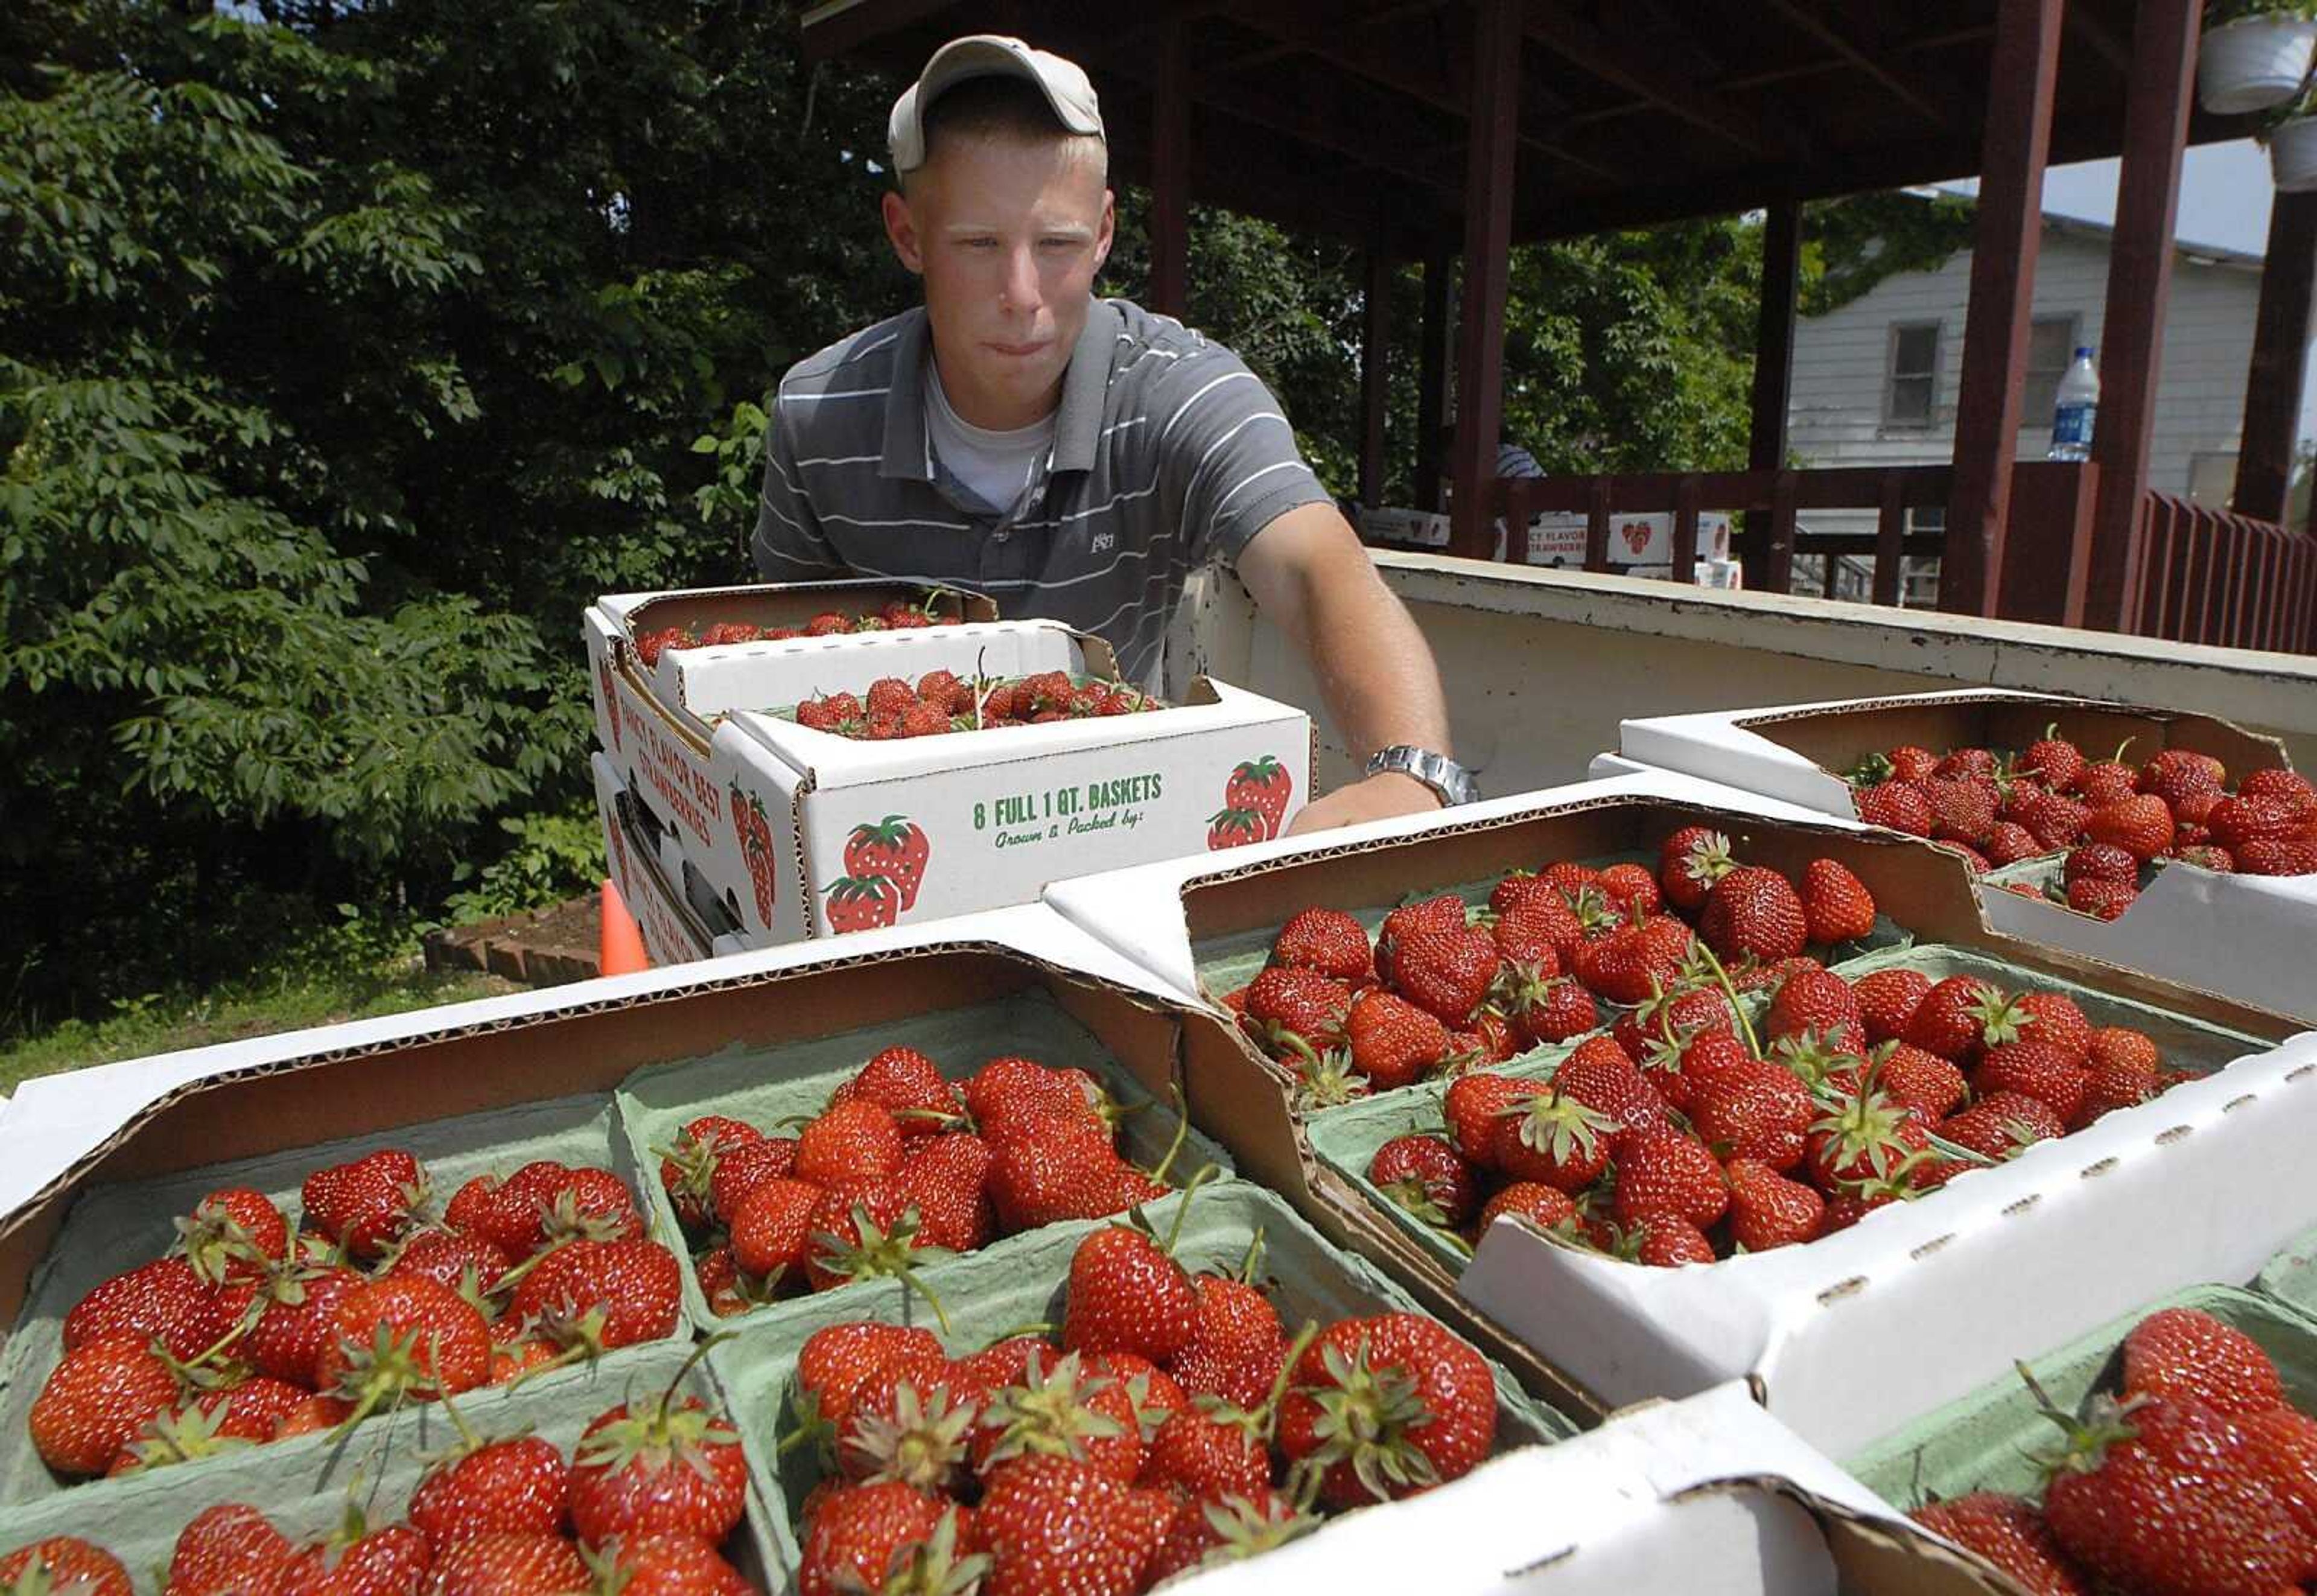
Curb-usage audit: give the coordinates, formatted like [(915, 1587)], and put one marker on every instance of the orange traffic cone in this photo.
[(621, 948)]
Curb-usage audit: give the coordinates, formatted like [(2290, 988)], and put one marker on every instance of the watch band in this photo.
[(1443, 776)]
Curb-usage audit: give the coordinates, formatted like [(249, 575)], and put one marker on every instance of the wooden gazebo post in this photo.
[(1492, 131), (2280, 362), (1770, 536), (1170, 176)]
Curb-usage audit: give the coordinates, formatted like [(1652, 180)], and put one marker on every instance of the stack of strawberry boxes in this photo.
[(781, 763), (2174, 843)]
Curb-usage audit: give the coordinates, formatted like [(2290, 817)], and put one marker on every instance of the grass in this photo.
[(287, 1001)]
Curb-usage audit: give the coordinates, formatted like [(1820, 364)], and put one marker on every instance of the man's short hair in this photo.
[(996, 108)]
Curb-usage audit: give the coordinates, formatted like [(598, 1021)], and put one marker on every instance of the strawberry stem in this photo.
[(1182, 1133), (1729, 990)]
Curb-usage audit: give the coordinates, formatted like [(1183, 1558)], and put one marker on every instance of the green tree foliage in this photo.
[(348, 349)]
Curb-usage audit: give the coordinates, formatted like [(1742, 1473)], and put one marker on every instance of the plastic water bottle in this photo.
[(2077, 408)]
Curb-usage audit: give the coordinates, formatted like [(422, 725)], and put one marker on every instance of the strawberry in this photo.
[(2265, 855), (2010, 842), (2141, 825), (164, 1301), (471, 1265), (2035, 1069), (1052, 1525), (1555, 1140), (2206, 857), (65, 1565), (1555, 1011), (688, 1168), (1472, 1107), (853, 1140), (1864, 1138), (1213, 1528), (1296, 1013), (2116, 1045), (1690, 862), (1392, 1041), (2110, 1087), (297, 1305), (1426, 1176), (1069, 1410), (520, 1486), (2009, 1532), (2175, 773), (1662, 1173), (650, 645), (1672, 1015), (2055, 1019), (1817, 1000), (1962, 811), (2053, 820), (363, 1204), (1542, 1206), (1327, 940), (1767, 1210), (215, 1423), (1377, 1409), (1923, 1081), (667, 1566), (1010, 1361), (1836, 903), (1264, 787), (667, 1468), (404, 1338), (910, 1420), (1066, 1170), (2108, 780), (1631, 889), (2102, 900), (2282, 1445), (2000, 1124), (1896, 806), (2186, 1352), (508, 1564), (1965, 764), (1634, 960), (1908, 763), (1127, 1293), (227, 1550), (2167, 1499), (1961, 1014), (2276, 782), (1533, 934), (1599, 1075), (908, 1086), (2056, 761), (1754, 912), (862, 902), (1752, 1110), (835, 1360), (1446, 972), (2100, 861), (895, 847), (232, 1235), (739, 1168), (391, 1562), (1237, 1344), (861, 1535), (1663, 1242), (1887, 1000), (96, 1401), (606, 1295)]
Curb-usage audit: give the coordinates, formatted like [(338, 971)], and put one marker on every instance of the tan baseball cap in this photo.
[(990, 55)]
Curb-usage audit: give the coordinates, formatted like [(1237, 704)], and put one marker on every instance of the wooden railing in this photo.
[(2208, 575)]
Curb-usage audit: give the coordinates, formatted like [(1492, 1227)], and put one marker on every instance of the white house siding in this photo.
[(1842, 362)]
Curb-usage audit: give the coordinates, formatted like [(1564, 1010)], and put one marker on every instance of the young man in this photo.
[(1073, 458)]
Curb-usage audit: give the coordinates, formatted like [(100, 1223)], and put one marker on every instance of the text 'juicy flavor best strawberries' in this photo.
[(1695, 1127), (642, 1507), (895, 616), (1174, 1423), (251, 1330), (900, 1160), (2115, 820), (2192, 1475)]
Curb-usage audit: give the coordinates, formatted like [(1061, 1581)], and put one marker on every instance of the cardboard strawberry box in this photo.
[(802, 832), (1621, 1331), (2244, 936), (650, 871), (1304, 1277), (1709, 1496)]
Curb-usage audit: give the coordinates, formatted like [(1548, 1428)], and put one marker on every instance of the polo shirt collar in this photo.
[(1077, 420)]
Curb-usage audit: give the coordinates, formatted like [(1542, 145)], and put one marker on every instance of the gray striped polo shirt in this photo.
[(1168, 453)]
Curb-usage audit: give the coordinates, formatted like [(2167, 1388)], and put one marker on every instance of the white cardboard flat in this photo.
[(1138, 911), (1859, 1331), (1698, 1496), (2245, 936), (53, 1121)]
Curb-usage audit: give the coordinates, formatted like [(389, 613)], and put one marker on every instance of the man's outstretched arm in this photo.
[(1312, 578)]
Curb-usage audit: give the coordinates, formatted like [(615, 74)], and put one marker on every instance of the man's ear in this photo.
[(1102, 240), (902, 228)]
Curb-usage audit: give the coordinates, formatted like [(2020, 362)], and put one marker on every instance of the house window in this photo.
[(2051, 347), (1911, 396), (2212, 478)]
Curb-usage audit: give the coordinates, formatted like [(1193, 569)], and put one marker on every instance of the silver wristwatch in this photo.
[(1443, 776)]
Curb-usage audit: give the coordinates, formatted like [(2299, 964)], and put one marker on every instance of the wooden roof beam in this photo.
[(1559, 27), (1837, 39), (832, 29)]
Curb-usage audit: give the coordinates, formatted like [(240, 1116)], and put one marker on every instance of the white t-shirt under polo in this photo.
[(998, 466)]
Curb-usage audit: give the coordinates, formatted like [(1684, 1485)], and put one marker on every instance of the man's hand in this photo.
[(1378, 798)]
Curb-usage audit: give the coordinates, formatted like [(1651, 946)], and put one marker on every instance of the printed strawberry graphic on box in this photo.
[(610, 703), (754, 833), (1263, 787), (1637, 536), (894, 847), (1233, 828), (860, 903)]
